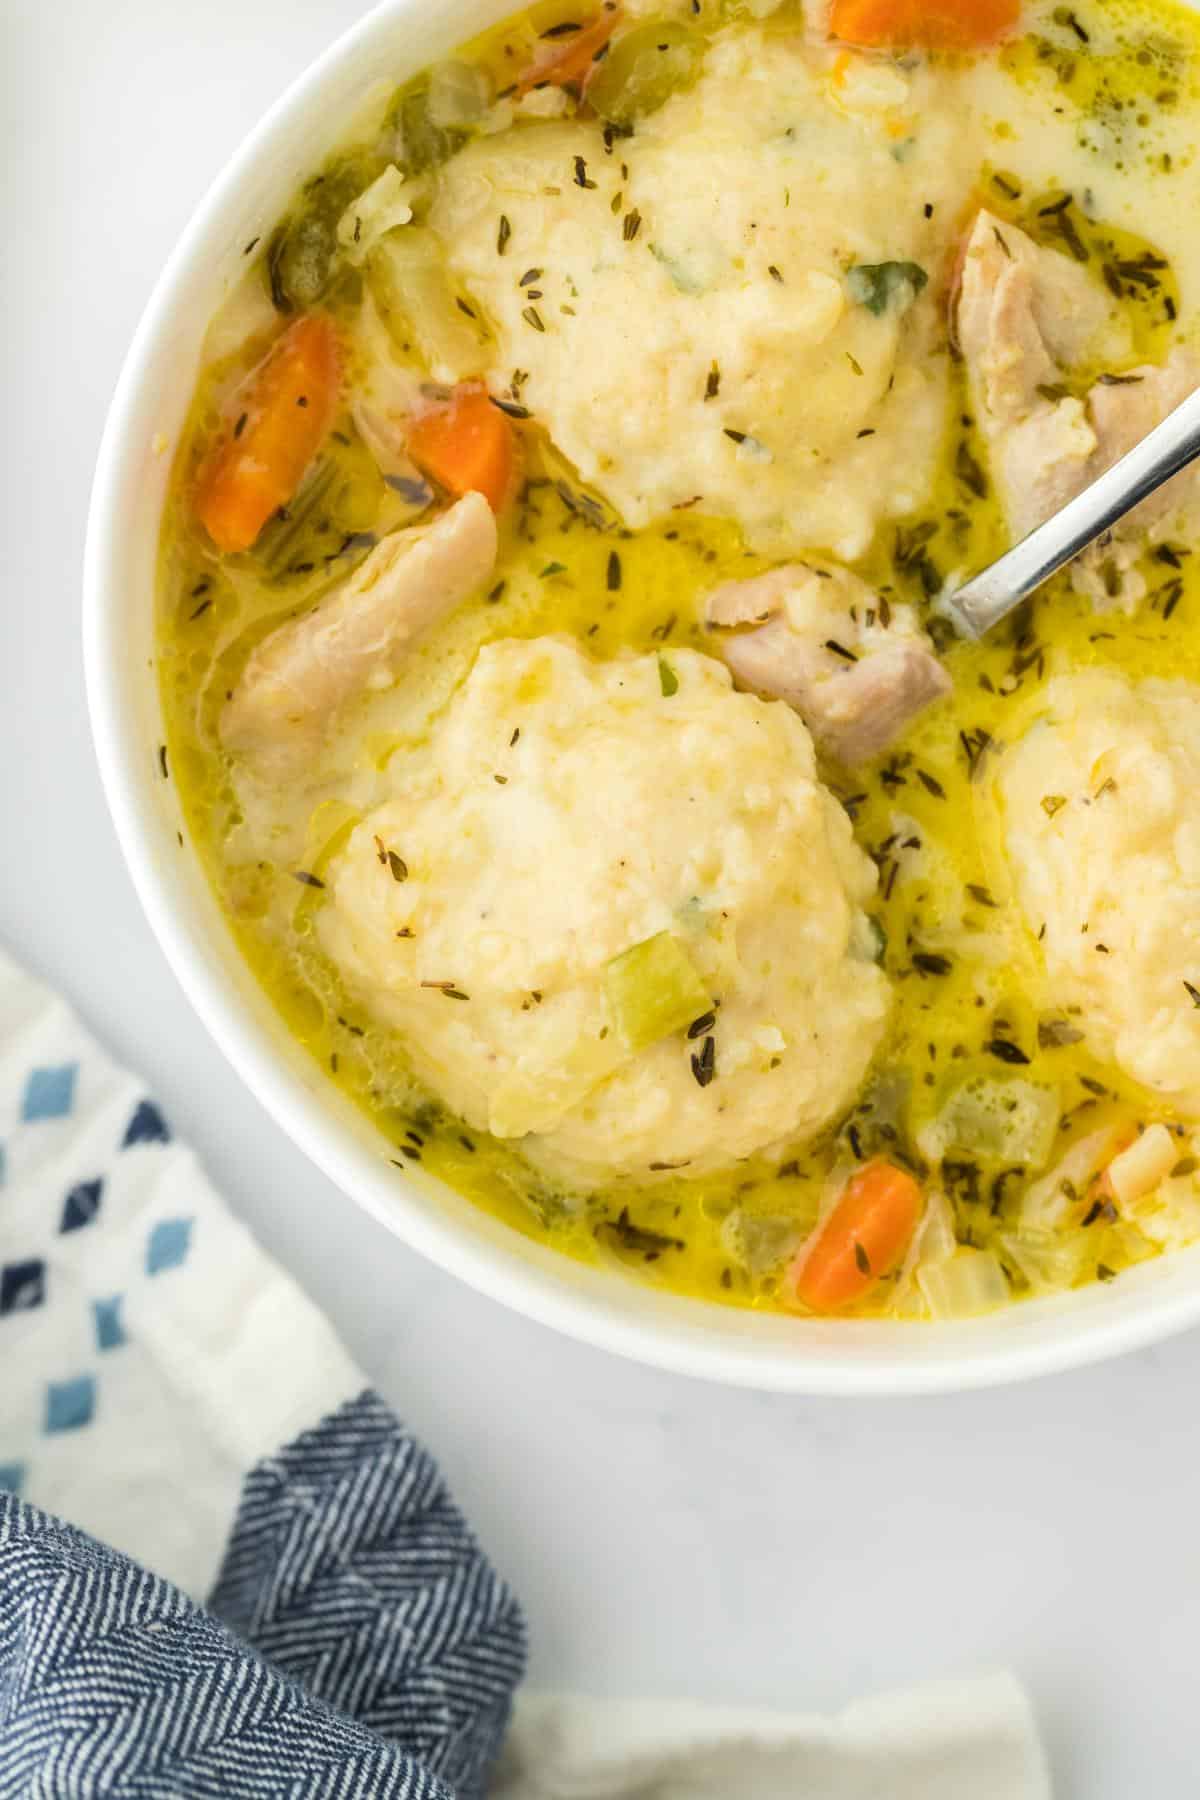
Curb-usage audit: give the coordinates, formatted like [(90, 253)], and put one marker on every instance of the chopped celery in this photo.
[(654, 989), (1049, 1260), (643, 69), (406, 274), (1120, 1246), (1170, 1216), (424, 144), (459, 95), (759, 1243), (878, 1126), (334, 519), (970, 1283), (282, 543), (303, 253), (995, 1120)]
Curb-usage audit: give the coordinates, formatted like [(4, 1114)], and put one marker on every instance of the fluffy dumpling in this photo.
[(733, 309), (563, 812), (1101, 804)]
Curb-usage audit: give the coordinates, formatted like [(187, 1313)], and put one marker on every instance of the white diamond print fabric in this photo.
[(137, 1316)]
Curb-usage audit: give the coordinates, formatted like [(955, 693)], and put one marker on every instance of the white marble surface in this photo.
[(666, 1537)]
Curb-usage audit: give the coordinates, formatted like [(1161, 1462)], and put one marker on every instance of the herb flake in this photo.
[(1005, 1051), (704, 1065), (879, 286)]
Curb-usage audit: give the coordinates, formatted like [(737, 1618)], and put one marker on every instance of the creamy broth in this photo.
[(677, 431)]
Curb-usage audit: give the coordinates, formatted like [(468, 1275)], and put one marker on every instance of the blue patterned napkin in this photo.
[(170, 1392)]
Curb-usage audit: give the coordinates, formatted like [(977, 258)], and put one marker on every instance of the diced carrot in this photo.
[(922, 24), (571, 65), (279, 418), (467, 445), (863, 1239)]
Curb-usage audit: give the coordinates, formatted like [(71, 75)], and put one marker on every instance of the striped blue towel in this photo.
[(166, 1389)]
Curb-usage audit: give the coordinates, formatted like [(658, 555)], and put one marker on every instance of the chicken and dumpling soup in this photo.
[(555, 665)]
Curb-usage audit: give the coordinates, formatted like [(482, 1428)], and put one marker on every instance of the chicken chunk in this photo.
[(1027, 316), (855, 668), (303, 673), (1025, 313), (1123, 412)]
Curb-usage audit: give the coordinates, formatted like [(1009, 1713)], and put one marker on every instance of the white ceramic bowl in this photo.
[(804, 1356)]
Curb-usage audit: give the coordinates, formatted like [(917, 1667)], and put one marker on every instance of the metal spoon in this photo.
[(987, 598)]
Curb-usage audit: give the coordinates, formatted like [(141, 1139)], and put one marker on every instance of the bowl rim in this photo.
[(1047, 1337)]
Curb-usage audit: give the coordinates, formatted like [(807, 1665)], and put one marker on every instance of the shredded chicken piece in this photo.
[(855, 668), (1025, 313), (303, 673), (1026, 316)]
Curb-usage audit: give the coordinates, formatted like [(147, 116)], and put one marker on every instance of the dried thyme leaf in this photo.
[(969, 472), (704, 1066), (1005, 1050), (1057, 1034), (637, 1239)]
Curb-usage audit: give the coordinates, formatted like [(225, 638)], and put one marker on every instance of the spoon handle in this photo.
[(989, 597)]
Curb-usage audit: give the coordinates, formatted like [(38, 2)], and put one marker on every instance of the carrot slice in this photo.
[(863, 1239), (467, 446), (923, 24), (572, 65), (281, 414)]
